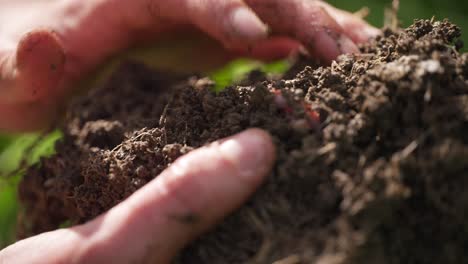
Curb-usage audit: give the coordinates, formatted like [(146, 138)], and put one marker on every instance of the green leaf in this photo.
[(10, 159), (238, 69), (14, 153), (5, 141), (8, 212)]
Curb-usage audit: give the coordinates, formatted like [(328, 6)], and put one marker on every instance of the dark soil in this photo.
[(372, 154)]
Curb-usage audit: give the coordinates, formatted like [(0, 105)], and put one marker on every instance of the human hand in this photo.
[(158, 220), (47, 45)]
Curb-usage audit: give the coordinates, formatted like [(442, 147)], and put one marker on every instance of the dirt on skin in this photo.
[(372, 154)]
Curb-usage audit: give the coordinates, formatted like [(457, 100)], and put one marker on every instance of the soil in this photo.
[(372, 154)]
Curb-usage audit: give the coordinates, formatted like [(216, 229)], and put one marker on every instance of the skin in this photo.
[(47, 46)]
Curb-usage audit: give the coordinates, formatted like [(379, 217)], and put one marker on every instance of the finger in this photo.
[(232, 22), (355, 27), (158, 220), (271, 49), (54, 247), (184, 201), (32, 71), (308, 22), (23, 117)]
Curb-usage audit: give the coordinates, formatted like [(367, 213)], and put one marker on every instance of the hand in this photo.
[(162, 217), (48, 45)]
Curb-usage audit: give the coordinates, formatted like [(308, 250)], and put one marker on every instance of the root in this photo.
[(391, 16)]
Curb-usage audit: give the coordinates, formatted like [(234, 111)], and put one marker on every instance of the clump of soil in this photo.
[(372, 154)]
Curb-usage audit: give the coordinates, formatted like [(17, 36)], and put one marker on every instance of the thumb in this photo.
[(188, 198), (153, 224)]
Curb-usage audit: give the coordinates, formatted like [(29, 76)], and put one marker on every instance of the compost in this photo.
[(372, 154)]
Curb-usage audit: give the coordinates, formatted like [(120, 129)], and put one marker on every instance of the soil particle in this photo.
[(372, 154)]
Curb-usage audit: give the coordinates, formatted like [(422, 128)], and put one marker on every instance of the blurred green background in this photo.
[(454, 10), (13, 146)]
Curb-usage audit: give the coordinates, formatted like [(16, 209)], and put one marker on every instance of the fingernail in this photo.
[(331, 45), (245, 24), (251, 151), (346, 45), (372, 32), (367, 33)]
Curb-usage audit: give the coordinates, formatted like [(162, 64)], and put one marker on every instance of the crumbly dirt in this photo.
[(372, 154)]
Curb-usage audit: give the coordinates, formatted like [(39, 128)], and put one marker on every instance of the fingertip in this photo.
[(328, 45), (40, 62), (354, 26), (371, 32), (245, 26), (231, 22), (252, 152), (321, 33), (346, 45), (361, 32)]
